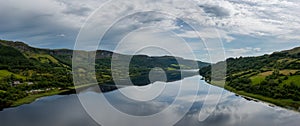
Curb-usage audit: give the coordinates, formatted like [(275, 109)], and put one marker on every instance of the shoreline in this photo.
[(282, 103), (33, 97), (288, 104), (269, 103)]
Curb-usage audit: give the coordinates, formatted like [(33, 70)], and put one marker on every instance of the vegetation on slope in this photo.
[(274, 78), (27, 73)]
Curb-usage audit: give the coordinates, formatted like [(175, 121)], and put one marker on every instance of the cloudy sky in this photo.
[(244, 27)]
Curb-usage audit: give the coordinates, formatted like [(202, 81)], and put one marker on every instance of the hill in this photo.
[(27, 72), (274, 78)]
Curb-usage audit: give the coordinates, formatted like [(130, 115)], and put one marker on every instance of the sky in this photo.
[(243, 27)]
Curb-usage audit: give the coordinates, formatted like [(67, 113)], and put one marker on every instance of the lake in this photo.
[(66, 110)]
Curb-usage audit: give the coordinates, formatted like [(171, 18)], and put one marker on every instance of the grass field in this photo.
[(170, 69), (257, 79), (6, 73), (218, 83), (295, 79), (32, 98), (260, 77), (44, 58), (287, 72)]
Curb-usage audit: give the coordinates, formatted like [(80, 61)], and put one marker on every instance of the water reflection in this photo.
[(232, 110)]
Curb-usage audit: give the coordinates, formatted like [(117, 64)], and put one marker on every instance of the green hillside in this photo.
[(27, 73), (274, 78)]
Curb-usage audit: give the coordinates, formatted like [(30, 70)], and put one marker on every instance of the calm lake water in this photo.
[(232, 110)]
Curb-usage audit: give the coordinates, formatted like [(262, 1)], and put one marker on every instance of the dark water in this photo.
[(232, 110)]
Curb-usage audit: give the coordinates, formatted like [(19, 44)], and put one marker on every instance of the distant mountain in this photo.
[(65, 55), (18, 57), (274, 78), (24, 70)]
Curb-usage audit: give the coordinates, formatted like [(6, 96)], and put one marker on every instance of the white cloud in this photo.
[(247, 51), (155, 42), (207, 33), (38, 21), (258, 17), (257, 49)]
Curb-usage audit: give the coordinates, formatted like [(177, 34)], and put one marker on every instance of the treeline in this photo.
[(272, 86), (278, 60), (140, 66)]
